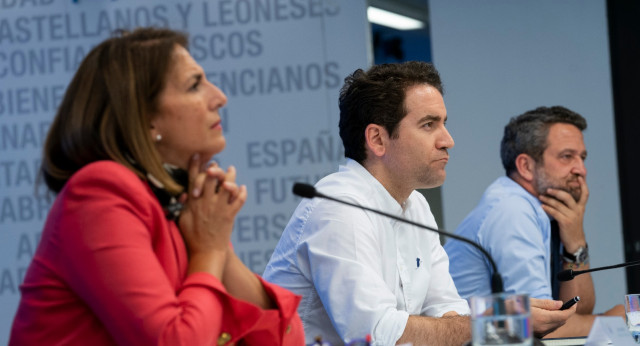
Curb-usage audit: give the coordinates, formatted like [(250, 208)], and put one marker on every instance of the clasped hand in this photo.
[(212, 201)]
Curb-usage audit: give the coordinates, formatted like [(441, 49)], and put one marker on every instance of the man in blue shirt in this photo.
[(543, 154)]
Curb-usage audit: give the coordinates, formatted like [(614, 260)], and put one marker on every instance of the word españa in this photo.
[(286, 151)]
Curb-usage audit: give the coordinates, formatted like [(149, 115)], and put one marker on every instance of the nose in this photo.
[(218, 98), (445, 141), (579, 168)]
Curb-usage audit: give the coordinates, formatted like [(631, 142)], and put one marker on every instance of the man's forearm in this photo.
[(581, 285), (577, 325), (421, 330)]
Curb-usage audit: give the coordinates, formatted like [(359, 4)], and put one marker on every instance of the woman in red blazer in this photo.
[(136, 248)]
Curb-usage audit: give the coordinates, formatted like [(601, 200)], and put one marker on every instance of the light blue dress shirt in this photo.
[(511, 225)]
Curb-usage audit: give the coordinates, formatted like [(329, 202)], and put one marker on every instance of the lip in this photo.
[(217, 125)]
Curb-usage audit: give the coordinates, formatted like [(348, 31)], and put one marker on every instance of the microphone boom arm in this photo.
[(496, 280), (569, 274)]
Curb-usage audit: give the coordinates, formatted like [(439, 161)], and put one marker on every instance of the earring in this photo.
[(158, 137)]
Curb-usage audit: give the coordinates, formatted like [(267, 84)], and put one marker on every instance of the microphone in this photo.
[(308, 191), (569, 274)]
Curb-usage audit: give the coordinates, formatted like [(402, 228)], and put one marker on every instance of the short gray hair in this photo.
[(527, 133)]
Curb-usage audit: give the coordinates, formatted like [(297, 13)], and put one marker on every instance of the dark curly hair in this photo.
[(377, 96)]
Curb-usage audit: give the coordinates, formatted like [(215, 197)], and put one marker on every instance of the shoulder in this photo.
[(103, 170), (108, 199), (106, 175), (513, 214), (505, 197), (327, 216), (101, 181), (507, 207), (347, 184)]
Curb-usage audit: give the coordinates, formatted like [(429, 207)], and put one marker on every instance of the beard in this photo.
[(542, 181)]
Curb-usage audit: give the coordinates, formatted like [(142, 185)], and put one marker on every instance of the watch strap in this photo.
[(580, 256)]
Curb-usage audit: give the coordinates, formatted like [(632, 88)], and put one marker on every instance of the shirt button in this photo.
[(224, 338), (288, 330)]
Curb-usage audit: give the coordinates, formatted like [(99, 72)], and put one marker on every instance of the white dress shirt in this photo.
[(358, 272)]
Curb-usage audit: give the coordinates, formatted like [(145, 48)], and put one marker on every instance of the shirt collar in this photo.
[(510, 185), (387, 202)]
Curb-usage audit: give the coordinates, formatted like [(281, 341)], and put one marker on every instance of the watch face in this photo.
[(582, 255)]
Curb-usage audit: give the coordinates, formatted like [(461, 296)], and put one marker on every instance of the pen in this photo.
[(569, 303)]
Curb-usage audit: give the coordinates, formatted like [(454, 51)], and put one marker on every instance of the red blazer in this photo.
[(111, 269)]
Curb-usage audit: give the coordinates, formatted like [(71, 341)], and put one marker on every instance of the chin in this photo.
[(433, 182), (575, 193), (216, 148)]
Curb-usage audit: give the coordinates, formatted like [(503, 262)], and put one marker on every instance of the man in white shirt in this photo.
[(363, 274)]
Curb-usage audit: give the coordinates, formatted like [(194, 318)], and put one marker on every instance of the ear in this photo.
[(153, 131), (526, 165), (153, 126), (376, 139)]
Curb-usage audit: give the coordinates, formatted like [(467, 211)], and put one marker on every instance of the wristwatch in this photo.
[(580, 256)]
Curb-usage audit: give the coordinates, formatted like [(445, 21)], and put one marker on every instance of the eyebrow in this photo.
[(431, 118), (574, 151)]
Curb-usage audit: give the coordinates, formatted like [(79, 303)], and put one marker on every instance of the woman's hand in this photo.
[(212, 202)]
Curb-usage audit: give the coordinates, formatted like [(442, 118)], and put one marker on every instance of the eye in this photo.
[(570, 157), (196, 83), (428, 124)]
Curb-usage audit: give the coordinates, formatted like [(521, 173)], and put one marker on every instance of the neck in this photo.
[(527, 185), (396, 186)]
